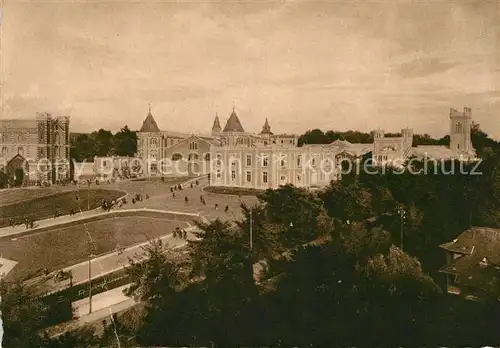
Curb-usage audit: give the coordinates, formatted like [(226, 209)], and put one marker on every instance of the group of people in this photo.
[(138, 198), (178, 233)]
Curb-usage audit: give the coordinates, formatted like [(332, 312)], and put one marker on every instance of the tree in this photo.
[(125, 142), (157, 273)]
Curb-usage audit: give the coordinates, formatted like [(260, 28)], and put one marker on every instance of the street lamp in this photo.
[(402, 215)]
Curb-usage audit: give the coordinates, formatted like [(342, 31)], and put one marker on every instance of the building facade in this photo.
[(237, 158), (172, 153), (35, 150)]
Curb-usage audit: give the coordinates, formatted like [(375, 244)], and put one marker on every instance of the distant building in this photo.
[(35, 150), (473, 263), (398, 149)]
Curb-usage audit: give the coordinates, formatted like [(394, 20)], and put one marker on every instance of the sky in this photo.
[(333, 65)]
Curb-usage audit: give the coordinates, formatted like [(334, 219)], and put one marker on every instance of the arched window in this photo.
[(193, 156), (4, 151), (239, 141), (176, 157), (458, 128), (152, 141), (207, 157), (193, 145)]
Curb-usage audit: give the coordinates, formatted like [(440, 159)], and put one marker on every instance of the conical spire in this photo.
[(149, 125), (266, 128), (233, 124), (216, 128)]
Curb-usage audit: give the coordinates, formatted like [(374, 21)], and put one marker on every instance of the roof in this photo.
[(266, 128), (233, 124), (433, 151), (339, 142), (18, 123), (149, 125), (479, 264), (216, 125)]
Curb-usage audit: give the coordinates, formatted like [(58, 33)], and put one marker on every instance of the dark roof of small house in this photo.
[(233, 124), (478, 263)]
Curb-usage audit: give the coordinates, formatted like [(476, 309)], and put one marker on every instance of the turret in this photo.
[(216, 128), (266, 128), (378, 133)]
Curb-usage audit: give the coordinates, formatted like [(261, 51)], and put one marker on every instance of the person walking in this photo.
[(184, 234), (186, 199)]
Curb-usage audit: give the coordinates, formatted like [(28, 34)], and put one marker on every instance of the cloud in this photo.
[(423, 67)]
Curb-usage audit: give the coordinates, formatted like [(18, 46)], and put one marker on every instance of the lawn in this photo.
[(16, 195), (62, 247), (237, 191), (62, 202)]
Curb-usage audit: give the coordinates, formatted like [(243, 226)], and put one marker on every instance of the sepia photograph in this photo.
[(223, 173)]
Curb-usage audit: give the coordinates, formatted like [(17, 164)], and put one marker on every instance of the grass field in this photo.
[(11, 196), (238, 191), (63, 202), (62, 247)]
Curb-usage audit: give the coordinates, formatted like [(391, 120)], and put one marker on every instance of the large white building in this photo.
[(236, 158)]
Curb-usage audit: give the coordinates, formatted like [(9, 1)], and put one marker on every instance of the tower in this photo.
[(460, 131), (216, 128), (266, 128)]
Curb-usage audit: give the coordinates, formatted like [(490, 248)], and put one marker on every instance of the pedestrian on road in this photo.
[(175, 233), (173, 194), (216, 206), (191, 185), (226, 208), (171, 189), (186, 199), (184, 234), (201, 199)]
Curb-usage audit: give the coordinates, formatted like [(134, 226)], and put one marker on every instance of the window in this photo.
[(314, 160), (219, 157), (458, 146), (176, 157), (218, 174), (298, 178), (20, 150), (281, 141), (193, 145), (265, 161), (207, 157), (264, 177), (249, 176), (282, 161), (239, 141), (152, 141), (249, 160), (298, 160), (193, 156), (283, 177), (458, 128), (4, 151), (233, 175)]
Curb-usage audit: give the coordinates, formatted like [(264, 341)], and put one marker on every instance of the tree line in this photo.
[(102, 143)]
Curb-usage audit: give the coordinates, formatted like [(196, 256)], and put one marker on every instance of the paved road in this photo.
[(166, 201), (109, 263), (100, 301)]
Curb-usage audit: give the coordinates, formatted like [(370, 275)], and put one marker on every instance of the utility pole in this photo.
[(402, 215), (90, 278)]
